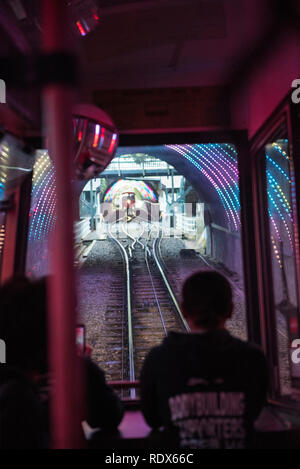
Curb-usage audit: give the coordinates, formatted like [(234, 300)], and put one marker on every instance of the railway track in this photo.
[(152, 308), (116, 337), (139, 309)]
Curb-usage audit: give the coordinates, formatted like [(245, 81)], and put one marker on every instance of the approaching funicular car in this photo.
[(127, 202)]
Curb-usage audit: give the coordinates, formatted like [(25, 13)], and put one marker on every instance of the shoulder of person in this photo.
[(161, 351), (155, 355), (250, 349)]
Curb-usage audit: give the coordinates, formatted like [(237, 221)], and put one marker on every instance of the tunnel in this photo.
[(193, 190), (211, 170), (206, 176)]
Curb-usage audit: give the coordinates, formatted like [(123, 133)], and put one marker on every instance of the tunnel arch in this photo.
[(140, 187), (210, 168), (212, 171)]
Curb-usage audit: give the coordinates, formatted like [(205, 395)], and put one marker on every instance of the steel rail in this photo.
[(155, 294), (129, 313), (204, 260), (158, 263), (135, 240), (147, 252)]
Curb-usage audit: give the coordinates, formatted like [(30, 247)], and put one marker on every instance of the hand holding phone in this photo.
[(80, 339)]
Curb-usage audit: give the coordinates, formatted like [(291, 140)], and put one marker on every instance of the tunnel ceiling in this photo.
[(215, 179), (142, 190), (210, 168)]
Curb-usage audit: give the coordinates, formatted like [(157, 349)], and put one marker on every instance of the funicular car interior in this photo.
[(250, 105)]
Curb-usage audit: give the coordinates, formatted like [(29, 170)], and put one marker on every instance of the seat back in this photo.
[(21, 421)]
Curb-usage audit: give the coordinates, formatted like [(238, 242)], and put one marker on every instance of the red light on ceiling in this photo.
[(112, 143), (96, 130), (96, 136), (102, 136), (95, 14), (81, 28), (294, 325)]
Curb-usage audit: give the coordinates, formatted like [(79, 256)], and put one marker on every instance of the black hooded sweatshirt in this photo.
[(207, 387)]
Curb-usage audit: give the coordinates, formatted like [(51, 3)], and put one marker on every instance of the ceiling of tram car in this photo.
[(164, 43), (134, 44), (151, 43), (158, 44), (147, 43)]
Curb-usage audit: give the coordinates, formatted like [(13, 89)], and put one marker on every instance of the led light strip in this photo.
[(43, 198), (219, 192), (220, 168), (143, 188), (280, 207)]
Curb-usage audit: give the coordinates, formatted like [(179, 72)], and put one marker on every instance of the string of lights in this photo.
[(42, 211), (140, 187), (279, 197), (221, 170), (217, 163)]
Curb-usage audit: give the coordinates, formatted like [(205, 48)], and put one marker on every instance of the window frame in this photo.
[(16, 234), (284, 115), (239, 138)]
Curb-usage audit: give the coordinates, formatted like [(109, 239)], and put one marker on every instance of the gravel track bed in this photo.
[(180, 268), (97, 295)]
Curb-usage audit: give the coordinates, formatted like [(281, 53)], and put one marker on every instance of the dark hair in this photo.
[(207, 298), (23, 323)]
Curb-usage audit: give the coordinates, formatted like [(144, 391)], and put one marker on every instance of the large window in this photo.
[(277, 246), (280, 196), (188, 192)]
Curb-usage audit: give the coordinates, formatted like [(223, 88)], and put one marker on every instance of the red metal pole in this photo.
[(57, 100)]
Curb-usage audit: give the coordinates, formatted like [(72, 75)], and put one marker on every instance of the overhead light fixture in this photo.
[(85, 16), (95, 140)]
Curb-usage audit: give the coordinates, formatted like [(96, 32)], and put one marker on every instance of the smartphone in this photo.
[(80, 338)]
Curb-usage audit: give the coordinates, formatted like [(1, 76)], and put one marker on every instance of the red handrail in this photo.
[(57, 103), (124, 384)]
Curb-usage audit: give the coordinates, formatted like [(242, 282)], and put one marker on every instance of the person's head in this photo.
[(23, 323), (207, 300)]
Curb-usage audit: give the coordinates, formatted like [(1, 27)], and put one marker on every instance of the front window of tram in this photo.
[(187, 218), (210, 231), (193, 210), (281, 208)]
